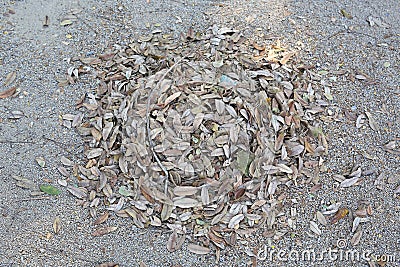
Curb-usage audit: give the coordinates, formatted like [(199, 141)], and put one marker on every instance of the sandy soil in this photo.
[(318, 29)]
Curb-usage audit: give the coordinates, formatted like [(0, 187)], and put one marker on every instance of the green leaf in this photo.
[(49, 189), (346, 14), (123, 190), (243, 161)]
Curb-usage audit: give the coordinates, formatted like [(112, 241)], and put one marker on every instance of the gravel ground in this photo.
[(324, 37)]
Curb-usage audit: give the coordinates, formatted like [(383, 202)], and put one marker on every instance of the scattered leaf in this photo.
[(346, 14), (321, 218), (356, 238), (10, 78), (186, 203), (49, 189), (8, 92), (349, 182), (111, 264), (78, 192), (57, 225), (314, 228), (66, 22), (198, 249), (372, 122), (41, 161), (104, 230), (101, 219), (340, 214), (172, 244)]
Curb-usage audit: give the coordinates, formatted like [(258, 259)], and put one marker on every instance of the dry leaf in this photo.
[(356, 238), (314, 228), (286, 58), (109, 264), (356, 222), (198, 249), (321, 218), (41, 161), (56, 225), (8, 93), (66, 22), (104, 230), (349, 182), (101, 219), (175, 242), (340, 214), (78, 192), (372, 122), (186, 203), (10, 78), (66, 161), (234, 222), (185, 190), (25, 183)]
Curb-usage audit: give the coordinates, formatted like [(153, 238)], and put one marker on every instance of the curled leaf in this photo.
[(8, 92)]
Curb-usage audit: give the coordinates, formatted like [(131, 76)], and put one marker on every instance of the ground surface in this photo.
[(327, 39)]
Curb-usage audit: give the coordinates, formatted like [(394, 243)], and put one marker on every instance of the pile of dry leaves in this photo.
[(200, 135)]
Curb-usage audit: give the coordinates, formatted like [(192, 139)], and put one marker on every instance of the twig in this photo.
[(33, 198), (151, 145), (16, 142), (58, 143), (350, 32)]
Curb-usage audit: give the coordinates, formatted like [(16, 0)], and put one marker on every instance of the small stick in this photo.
[(151, 145), (16, 142), (58, 143), (33, 198)]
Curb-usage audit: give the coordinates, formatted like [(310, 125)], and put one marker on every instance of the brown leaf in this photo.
[(101, 219), (356, 238), (109, 264), (286, 58), (258, 47), (174, 241), (104, 230), (8, 93), (340, 214)]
